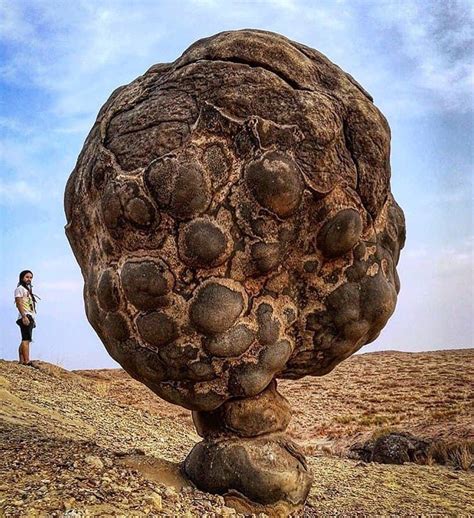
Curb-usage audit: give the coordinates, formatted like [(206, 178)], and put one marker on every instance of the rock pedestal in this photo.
[(246, 456)]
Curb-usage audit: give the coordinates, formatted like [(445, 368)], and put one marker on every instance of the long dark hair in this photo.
[(27, 286)]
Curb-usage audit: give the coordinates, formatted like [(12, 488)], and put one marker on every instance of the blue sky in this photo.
[(59, 61)]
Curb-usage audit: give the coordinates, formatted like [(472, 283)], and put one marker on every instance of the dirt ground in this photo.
[(97, 443)]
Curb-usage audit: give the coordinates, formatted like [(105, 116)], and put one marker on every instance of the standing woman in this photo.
[(26, 303)]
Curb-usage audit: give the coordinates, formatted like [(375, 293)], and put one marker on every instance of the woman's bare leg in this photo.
[(24, 352)]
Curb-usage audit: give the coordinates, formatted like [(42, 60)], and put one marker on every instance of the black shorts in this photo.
[(26, 330)]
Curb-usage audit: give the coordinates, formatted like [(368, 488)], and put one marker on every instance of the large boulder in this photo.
[(393, 448), (232, 216)]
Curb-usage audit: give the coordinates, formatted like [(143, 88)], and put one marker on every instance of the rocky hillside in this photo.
[(97, 443)]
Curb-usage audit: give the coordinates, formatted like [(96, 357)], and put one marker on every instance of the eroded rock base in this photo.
[(265, 471), (248, 458)]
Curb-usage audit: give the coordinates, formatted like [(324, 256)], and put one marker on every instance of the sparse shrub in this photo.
[(441, 415), (459, 454), (327, 450), (344, 419), (438, 453), (101, 388), (462, 457), (377, 420), (380, 432)]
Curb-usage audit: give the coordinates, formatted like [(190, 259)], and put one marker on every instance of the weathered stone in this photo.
[(108, 292), (266, 256), (233, 343), (180, 188), (215, 308), (146, 283), (190, 195), (340, 233), (232, 216), (265, 470), (203, 243), (157, 328), (276, 183), (268, 326), (249, 379), (115, 326), (393, 448), (311, 266)]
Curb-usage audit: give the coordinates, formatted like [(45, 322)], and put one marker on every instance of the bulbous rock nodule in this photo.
[(215, 308)]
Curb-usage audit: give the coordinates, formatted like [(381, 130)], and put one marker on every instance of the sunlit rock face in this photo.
[(232, 216)]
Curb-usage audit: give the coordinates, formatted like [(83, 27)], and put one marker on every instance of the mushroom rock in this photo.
[(232, 216)]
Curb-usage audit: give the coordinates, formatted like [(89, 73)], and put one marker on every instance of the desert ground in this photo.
[(97, 443)]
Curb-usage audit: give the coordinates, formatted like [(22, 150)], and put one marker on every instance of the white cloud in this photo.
[(289, 5), (436, 41), (30, 166), (13, 24), (456, 261), (17, 192), (331, 17), (456, 195), (62, 286), (87, 49), (205, 3), (35, 160), (14, 125), (80, 52)]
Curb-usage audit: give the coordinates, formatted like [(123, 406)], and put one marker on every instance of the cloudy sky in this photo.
[(60, 60)]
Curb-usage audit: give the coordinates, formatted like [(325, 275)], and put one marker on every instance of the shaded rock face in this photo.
[(232, 216), (393, 448)]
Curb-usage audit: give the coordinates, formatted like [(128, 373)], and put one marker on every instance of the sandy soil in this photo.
[(97, 443)]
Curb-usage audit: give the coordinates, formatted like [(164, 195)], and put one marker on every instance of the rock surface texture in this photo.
[(232, 216)]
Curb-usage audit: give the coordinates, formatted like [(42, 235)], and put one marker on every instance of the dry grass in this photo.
[(459, 454), (427, 394)]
